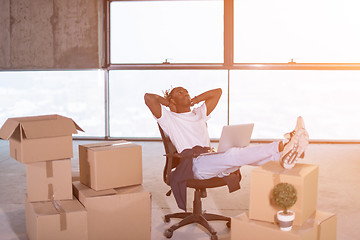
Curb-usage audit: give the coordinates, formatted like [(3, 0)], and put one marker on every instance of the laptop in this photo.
[(234, 136)]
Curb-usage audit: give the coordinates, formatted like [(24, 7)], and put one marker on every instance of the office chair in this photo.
[(197, 216)]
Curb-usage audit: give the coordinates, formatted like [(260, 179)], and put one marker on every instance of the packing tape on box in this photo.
[(62, 214), (49, 174), (50, 191), (49, 169), (111, 144), (123, 143)]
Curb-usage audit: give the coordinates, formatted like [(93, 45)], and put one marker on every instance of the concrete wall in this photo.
[(50, 34)]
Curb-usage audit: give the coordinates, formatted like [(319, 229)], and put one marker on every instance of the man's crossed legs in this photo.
[(222, 164)]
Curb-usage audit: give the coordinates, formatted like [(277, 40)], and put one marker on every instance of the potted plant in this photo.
[(284, 196)]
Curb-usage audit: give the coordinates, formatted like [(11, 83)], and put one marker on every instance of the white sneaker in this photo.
[(298, 140), (299, 125), (289, 154)]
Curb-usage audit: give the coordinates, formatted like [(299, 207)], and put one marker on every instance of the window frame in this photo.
[(228, 51), (228, 63)]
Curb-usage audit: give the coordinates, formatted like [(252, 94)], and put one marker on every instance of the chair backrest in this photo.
[(173, 159), (172, 156)]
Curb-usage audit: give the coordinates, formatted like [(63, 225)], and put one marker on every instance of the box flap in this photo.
[(77, 126), (8, 128), (45, 208), (40, 126), (130, 189), (320, 216), (88, 192), (48, 126), (108, 145)]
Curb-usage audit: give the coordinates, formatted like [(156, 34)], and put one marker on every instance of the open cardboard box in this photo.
[(121, 213), (39, 138), (304, 177), (110, 164), (320, 226)]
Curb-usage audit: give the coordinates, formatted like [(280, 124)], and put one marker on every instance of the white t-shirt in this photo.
[(186, 130)]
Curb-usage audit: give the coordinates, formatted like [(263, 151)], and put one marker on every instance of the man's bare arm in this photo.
[(210, 97), (154, 102)]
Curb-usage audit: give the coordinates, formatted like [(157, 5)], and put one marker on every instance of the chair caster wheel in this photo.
[(168, 233), (166, 219), (214, 237), (228, 224)]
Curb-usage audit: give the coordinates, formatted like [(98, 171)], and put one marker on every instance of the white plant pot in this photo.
[(285, 220)]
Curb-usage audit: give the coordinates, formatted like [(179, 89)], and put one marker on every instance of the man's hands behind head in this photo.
[(172, 105)]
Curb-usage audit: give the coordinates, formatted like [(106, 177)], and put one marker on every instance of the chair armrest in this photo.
[(170, 165)]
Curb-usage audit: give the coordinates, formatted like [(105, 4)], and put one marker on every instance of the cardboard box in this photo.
[(108, 165), (320, 226), (56, 220), (49, 180), (40, 138), (122, 213), (304, 177)]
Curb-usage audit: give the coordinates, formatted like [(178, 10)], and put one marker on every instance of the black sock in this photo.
[(281, 146)]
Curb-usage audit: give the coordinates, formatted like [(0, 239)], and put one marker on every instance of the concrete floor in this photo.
[(339, 179)]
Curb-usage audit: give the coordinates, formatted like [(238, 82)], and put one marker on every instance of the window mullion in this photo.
[(228, 32)]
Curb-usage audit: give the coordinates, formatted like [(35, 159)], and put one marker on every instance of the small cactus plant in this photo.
[(284, 196)]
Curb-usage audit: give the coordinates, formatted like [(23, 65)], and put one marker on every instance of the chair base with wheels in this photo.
[(197, 216)]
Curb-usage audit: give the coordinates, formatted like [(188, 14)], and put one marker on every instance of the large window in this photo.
[(273, 99), (307, 31), (75, 94), (274, 60), (167, 31), (130, 117)]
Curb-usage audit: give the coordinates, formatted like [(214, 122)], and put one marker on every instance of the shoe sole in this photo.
[(289, 160)]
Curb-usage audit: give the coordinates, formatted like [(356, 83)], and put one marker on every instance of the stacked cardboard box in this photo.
[(120, 213), (49, 180), (320, 226), (304, 177), (110, 164), (44, 144), (111, 190), (111, 202), (260, 221)]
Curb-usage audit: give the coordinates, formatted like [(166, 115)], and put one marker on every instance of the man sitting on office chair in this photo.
[(187, 128)]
